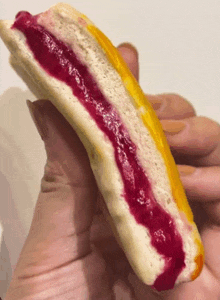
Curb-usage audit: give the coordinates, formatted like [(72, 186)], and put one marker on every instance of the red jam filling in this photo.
[(58, 60)]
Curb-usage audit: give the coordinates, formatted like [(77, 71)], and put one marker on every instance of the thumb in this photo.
[(130, 55), (63, 215)]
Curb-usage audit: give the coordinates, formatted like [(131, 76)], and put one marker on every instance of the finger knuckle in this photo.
[(212, 127), (53, 177), (208, 133), (182, 103), (178, 106)]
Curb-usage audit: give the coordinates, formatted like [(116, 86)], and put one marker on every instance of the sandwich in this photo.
[(65, 58)]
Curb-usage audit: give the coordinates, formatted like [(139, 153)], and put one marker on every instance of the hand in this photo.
[(70, 252)]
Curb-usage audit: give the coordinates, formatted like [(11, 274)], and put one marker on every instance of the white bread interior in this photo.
[(135, 239)]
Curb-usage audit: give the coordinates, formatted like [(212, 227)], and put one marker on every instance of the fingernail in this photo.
[(129, 46), (172, 127), (38, 119), (186, 170)]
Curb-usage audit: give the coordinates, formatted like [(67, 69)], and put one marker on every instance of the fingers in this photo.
[(130, 55), (171, 106), (194, 141), (202, 183), (195, 145)]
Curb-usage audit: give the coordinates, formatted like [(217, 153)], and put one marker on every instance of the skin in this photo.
[(70, 251)]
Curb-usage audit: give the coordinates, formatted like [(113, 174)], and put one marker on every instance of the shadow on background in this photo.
[(16, 203)]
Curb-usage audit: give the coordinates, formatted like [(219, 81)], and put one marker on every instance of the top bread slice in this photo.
[(122, 91)]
